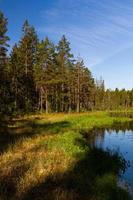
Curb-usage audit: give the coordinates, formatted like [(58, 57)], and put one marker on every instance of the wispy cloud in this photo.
[(97, 29)]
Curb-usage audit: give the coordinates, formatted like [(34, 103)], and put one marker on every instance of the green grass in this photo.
[(48, 157)]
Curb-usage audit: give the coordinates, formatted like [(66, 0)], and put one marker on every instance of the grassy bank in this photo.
[(48, 157)]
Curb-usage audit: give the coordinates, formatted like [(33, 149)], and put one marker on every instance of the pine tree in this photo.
[(27, 52), (64, 59), (84, 87), (40, 75), (16, 77), (45, 74), (4, 79)]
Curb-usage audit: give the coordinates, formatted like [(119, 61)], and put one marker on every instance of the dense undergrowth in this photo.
[(48, 157)]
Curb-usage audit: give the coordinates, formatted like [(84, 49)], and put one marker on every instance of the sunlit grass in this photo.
[(42, 146)]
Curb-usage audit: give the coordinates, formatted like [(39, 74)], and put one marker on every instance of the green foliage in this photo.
[(5, 93), (50, 155), (41, 76)]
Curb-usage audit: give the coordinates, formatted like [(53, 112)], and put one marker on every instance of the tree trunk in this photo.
[(69, 106), (78, 91), (47, 103), (62, 97), (41, 99)]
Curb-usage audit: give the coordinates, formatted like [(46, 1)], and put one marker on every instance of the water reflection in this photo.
[(118, 137)]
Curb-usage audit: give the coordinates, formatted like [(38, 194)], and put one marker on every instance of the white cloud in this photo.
[(104, 29)]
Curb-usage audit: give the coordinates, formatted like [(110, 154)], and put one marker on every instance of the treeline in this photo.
[(41, 76)]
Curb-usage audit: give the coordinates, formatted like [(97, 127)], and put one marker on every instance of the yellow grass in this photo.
[(32, 158)]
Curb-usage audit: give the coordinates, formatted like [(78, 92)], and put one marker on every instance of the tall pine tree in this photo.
[(4, 76)]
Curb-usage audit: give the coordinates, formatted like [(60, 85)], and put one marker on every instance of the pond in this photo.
[(118, 138)]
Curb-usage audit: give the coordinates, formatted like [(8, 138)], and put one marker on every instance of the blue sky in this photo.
[(100, 31)]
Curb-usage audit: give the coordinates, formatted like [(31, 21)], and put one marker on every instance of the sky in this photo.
[(100, 31)]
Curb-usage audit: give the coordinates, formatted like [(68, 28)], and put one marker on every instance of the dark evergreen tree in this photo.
[(4, 75), (41, 76), (27, 52), (45, 74), (64, 59)]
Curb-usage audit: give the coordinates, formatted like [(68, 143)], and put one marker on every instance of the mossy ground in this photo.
[(46, 157)]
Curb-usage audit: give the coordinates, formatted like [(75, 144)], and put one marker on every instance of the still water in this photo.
[(118, 138)]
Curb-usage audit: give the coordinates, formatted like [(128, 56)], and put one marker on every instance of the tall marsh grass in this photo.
[(47, 157)]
